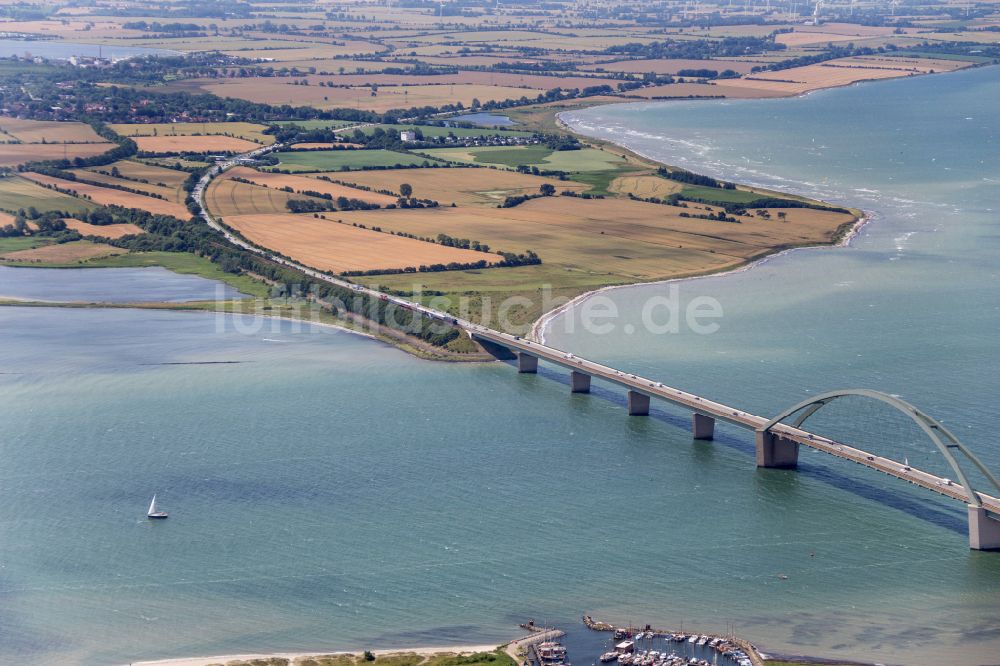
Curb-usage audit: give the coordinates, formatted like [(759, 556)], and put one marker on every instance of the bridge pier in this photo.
[(984, 531), (579, 382), (776, 451), (638, 404), (527, 363), (702, 427)]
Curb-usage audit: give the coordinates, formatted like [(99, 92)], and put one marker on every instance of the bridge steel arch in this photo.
[(775, 451)]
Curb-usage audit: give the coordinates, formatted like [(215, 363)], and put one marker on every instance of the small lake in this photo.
[(108, 285), (485, 120), (59, 50)]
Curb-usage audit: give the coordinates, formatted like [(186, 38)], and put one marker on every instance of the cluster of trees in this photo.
[(697, 49), (509, 259), (708, 74), (463, 243), (423, 268), (156, 26), (585, 195), (720, 216), (171, 29), (535, 171), (771, 202), (18, 228), (49, 224), (682, 176), (325, 202), (410, 202), (528, 258), (562, 142), (309, 205), (56, 91)]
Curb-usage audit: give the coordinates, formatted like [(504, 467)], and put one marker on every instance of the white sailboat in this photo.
[(154, 512)]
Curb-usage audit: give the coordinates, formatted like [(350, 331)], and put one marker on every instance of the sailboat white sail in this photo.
[(153, 512)]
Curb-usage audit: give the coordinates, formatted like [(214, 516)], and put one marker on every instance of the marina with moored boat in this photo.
[(658, 647)]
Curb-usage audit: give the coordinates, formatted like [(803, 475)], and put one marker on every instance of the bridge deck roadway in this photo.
[(649, 387), (735, 416)]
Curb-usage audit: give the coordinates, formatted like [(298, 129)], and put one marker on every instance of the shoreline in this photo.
[(192, 307), (538, 328), (537, 332), (291, 656)]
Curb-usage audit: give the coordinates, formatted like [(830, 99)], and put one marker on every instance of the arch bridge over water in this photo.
[(778, 443)]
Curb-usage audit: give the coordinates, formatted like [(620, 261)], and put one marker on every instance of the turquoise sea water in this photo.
[(108, 285), (329, 492)]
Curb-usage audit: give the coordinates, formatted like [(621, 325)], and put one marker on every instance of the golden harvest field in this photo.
[(249, 131), (331, 246), (840, 72), (17, 192), (110, 197), (300, 183), (168, 145), (629, 238), (139, 171), (461, 186), (645, 186), (12, 154), (48, 131), (103, 230), (60, 253), (284, 91), (226, 197), (172, 194)]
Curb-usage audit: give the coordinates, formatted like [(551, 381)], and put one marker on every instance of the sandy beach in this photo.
[(224, 658)]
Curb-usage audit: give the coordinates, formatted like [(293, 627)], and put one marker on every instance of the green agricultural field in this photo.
[(570, 161), (943, 56), (512, 157), (249, 131), (341, 160), (15, 243), (599, 181), (717, 194), (587, 159), (492, 155), (17, 193)]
